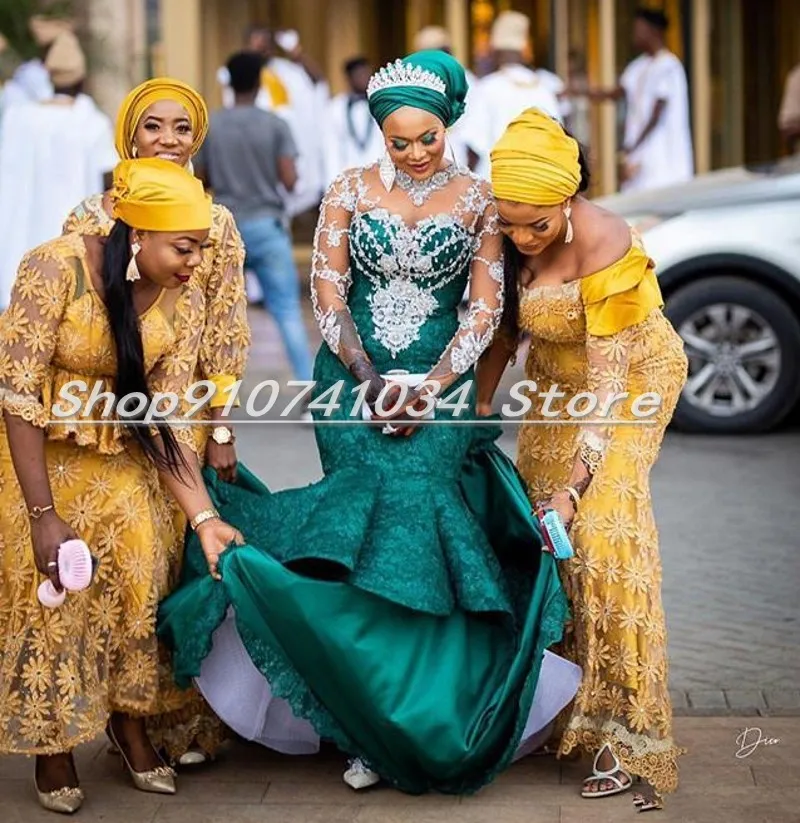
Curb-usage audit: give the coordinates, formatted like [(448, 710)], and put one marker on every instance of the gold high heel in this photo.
[(62, 801), (160, 780)]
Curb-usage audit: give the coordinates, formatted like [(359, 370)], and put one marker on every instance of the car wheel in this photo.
[(742, 342)]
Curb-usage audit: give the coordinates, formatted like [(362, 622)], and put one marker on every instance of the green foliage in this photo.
[(14, 17)]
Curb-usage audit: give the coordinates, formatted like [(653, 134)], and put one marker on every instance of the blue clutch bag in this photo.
[(555, 535)]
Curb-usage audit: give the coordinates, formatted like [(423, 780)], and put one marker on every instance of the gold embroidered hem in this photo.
[(655, 761)]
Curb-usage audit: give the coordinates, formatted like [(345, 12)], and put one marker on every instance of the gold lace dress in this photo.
[(62, 671), (606, 333), (224, 344)]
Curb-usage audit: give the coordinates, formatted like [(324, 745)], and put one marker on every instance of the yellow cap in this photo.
[(142, 97), (156, 195), (535, 161)]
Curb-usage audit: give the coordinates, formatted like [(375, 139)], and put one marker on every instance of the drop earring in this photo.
[(132, 273), (570, 235), (388, 172), (134, 152)]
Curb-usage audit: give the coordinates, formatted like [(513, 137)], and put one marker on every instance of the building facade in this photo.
[(737, 53)]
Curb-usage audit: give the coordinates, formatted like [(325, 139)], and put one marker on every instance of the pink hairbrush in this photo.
[(75, 571)]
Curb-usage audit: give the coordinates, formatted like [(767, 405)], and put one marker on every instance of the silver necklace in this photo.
[(420, 190)]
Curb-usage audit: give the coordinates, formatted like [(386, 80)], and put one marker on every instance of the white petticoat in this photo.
[(241, 697)]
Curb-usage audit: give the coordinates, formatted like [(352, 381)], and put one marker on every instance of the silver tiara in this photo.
[(402, 74)]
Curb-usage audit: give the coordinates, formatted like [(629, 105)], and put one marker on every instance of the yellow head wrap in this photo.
[(157, 195), (142, 97), (535, 161)]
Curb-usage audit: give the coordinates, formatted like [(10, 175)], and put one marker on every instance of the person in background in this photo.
[(248, 155), (53, 153), (513, 87), (657, 148), (438, 38), (31, 81), (294, 88), (352, 138), (789, 116)]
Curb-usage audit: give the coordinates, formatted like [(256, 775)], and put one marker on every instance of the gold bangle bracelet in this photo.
[(576, 498), (201, 517)]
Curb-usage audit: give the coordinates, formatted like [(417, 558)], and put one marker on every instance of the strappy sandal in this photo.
[(610, 775), (644, 804)]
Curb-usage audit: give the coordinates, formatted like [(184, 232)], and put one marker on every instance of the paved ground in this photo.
[(251, 785), (729, 517)]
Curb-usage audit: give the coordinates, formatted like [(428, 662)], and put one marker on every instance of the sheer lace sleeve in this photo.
[(174, 371), (608, 359), (485, 308), (226, 335), (28, 332), (331, 280)]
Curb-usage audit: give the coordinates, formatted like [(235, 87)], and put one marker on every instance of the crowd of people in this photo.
[(405, 607)]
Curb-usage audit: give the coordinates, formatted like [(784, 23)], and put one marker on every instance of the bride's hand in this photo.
[(215, 536), (400, 422)]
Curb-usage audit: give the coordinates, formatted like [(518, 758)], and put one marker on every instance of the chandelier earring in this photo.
[(132, 273), (570, 235), (388, 171)]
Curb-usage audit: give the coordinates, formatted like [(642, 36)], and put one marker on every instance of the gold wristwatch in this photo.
[(222, 435)]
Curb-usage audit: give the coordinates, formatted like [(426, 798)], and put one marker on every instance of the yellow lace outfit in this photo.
[(62, 671), (224, 343), (606, 333)]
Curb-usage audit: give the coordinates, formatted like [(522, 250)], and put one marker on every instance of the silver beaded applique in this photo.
[(419, 191)]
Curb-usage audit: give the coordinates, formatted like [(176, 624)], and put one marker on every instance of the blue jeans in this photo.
[(268, 250)]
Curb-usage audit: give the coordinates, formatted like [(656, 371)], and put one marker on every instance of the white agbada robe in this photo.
[(665, 157), (352, 137), (52, 156), (30, 83), (496, 100), (308, 102)]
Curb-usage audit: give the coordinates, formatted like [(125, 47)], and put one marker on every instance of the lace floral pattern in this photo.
[(63, 671), (618, 632), (403, 256)]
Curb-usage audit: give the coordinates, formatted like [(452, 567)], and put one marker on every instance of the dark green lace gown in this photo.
[(402, 604)]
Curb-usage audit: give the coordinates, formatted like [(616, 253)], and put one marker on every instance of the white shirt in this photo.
[(52, 156), (352, 137), (496, 100), (666, 155), (304, 113)]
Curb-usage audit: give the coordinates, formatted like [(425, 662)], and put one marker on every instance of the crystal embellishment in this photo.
[(399, 311), (420, 190), (399, 73)]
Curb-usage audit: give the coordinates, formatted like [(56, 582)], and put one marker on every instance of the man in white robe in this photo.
[(502, 95), (352, 137), (53, 154)]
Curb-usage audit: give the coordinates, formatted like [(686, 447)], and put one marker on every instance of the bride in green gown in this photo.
[(402, 606)]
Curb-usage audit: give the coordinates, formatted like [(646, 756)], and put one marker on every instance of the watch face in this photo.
[(222, 436)]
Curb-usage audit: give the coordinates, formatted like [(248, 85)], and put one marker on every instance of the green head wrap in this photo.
[(429, 80)]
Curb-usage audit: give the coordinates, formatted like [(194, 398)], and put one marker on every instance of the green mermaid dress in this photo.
[(401, 606)]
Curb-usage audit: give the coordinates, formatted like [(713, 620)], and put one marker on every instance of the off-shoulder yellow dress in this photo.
[(224, 344), (607, 333), (62, 671)]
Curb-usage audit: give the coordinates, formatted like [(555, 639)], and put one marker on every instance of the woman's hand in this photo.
[(47, 534), (215, 536), (222, 458), (401, 423), (483, 409), (563, 504)]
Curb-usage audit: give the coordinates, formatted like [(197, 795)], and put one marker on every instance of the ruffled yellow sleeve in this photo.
[(29, 327), (622, 295)]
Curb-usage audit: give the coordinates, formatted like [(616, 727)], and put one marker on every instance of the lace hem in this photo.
[(655, 761), (25, 406)]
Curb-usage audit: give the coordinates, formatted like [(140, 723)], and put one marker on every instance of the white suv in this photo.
[(727, 249)]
